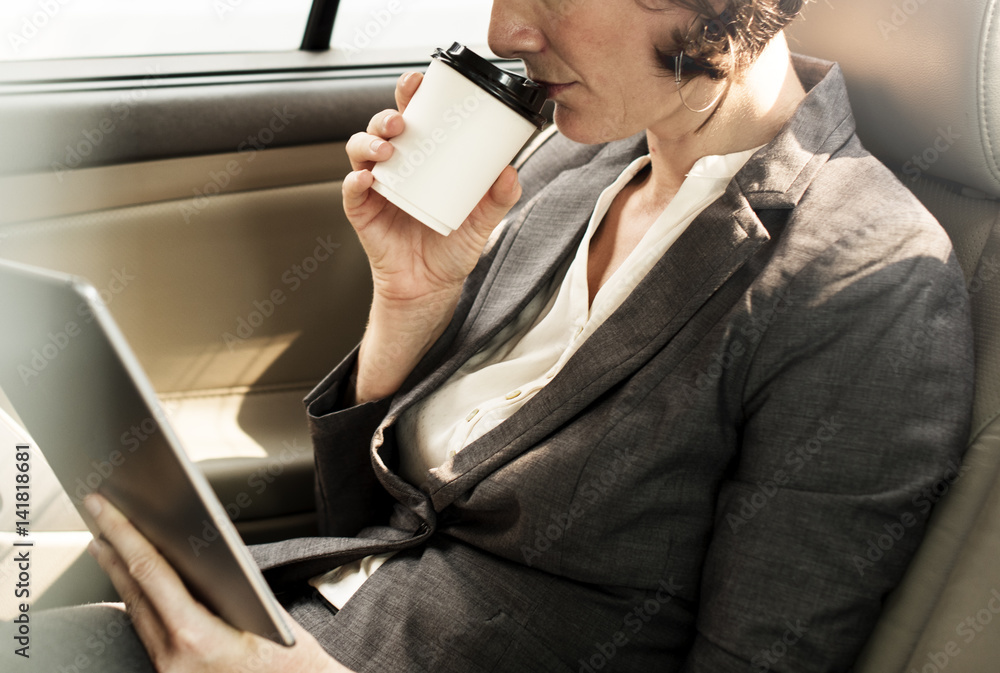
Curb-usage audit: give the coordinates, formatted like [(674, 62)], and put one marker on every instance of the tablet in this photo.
[(81, 394)]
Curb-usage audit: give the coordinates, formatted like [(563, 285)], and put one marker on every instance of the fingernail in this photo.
[(95, 547), (93, 505), (377, 145)]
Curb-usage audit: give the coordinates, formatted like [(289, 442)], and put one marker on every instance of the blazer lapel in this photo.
[(706, 262), (529, 255), (714, 248), (685, 293)]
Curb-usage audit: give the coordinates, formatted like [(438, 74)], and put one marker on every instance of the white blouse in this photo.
[(524, 356)]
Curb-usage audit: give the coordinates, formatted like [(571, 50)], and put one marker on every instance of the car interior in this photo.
[(200, 194)]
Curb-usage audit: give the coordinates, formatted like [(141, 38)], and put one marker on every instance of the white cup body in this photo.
[(457, 141)]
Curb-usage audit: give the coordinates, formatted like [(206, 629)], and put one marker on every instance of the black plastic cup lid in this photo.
[(518, 93)]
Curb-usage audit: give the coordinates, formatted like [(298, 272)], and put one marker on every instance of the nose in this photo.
[(515, 28)]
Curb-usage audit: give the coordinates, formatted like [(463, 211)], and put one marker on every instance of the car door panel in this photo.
[(209, 219)]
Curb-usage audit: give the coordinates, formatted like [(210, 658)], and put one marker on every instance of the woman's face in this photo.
[(597, 59)]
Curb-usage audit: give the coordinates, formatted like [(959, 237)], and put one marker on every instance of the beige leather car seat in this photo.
[(924, 81)]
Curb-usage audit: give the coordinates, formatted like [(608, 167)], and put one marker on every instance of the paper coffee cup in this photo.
[(466, 122)]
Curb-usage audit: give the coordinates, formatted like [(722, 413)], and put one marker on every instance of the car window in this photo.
[(48, 29), (385, 31)]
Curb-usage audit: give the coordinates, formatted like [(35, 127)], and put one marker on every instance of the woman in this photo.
[(658, 420)]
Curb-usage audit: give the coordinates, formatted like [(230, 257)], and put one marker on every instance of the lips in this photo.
[(553, 89)]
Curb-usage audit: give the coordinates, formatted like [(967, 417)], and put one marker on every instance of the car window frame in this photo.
[(315, 58)]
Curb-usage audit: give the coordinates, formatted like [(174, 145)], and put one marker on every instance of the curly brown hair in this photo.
[(724, 44)]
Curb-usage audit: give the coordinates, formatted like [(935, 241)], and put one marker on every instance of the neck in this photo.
[(750, 114)]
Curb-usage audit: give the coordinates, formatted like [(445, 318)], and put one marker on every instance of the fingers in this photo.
[(145, 620), (504, 193), (386, 124), (501, 197), (141, 571), (368, 148), (357, 193), (406, 86), (506, 190), (365, 149), (179, 633)]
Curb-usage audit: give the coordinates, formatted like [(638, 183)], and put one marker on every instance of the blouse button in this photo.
[(514, 394), (472, 415)]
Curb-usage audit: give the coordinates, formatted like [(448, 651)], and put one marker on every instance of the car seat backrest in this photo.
[(924, 81)]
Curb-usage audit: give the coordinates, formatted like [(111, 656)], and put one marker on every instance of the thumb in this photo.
[(491, 209)]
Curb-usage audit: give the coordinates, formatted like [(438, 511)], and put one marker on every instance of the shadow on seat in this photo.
[(924, 82)]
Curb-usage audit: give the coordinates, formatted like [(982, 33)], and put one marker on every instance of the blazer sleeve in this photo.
[(854, 420), (349, 496)]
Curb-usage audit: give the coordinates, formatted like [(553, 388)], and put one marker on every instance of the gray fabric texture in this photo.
[(731, 473), (84, 639)]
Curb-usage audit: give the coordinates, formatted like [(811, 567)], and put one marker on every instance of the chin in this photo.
[(588, 130)]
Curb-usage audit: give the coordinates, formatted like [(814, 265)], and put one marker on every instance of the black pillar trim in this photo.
[(319, 29)]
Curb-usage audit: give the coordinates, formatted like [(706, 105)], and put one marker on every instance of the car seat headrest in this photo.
[(923, 78)]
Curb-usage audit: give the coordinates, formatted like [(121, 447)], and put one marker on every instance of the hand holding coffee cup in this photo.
[(417, 273), (463, 126), (408, 259)]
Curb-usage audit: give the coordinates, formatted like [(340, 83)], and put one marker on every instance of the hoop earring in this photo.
[(677, 81)]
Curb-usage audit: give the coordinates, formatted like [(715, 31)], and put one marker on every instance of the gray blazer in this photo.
[(730, 474)]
